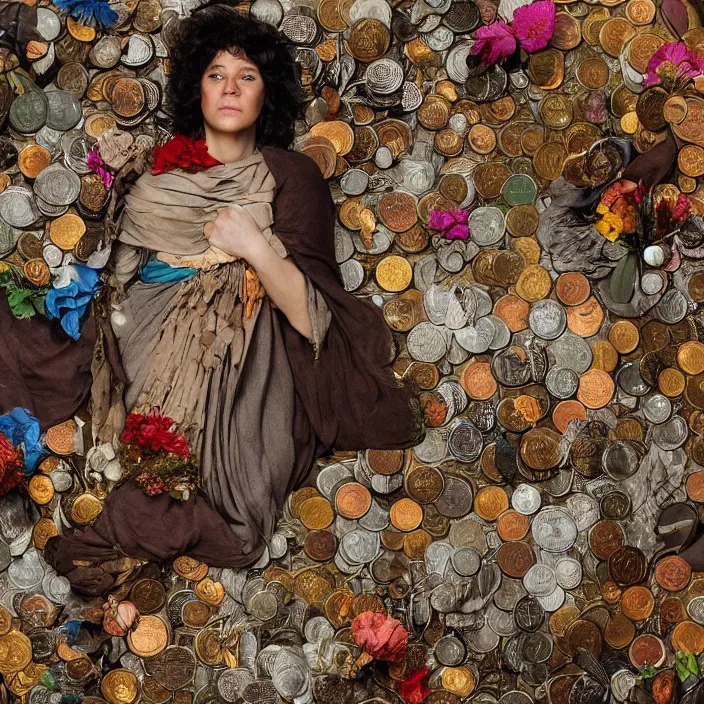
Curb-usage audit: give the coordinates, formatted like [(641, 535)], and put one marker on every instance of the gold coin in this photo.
[(675, 109), (629, 122), (585, 320), (593, 73), (489, 179), (43, 529), (691, 129), (614, 35), (210, 591), (15, 652), (66, 230), (416, 543), (556, 111), (671, 382), (528, 248), (37, 271), (478, 381), (119, 686), (691, 160), (624, 336), (41, 489), (549, 160), (592, 24), (567, 33), (394, 273), (482, 139), (33, 159), (547, 68), (397, 210), (369, 39), (127, 96), (458, 680), (640, 12), (79, 31), (690, 357), (338, 132), (434, 112), (316, 513), (641, 50), (190, 568), (522, 220), (85, 508), (534, 283), (490, 502), (448, 142)]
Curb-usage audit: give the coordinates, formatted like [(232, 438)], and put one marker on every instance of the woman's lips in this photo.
[(228, 109)]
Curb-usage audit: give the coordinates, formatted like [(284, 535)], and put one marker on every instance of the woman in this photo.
[(236, 326)]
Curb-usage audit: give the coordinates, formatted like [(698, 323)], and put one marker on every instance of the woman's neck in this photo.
[(228, 147)]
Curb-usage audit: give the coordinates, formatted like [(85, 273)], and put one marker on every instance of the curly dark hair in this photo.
[(218, 26)]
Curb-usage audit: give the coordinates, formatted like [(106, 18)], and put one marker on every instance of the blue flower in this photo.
[(69, 303), (22, 428), (89, 12)]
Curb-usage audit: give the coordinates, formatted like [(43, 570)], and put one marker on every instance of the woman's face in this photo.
[(232, 93)]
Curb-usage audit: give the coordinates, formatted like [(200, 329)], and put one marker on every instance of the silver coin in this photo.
[(300, 29), (440, 39), (630, 381), (512, 367), (562, 382), (501, 622), (433, 448), (427, 342), (547, 319), (269, 11), (375, 519), (568, 572), (502, 335), (65, 110), (656, 408), (26, 571), (554, 529), (29, 110), (263, 605), (57, 185), (106, 52), (672, 307), (487, 226), (62, 481), (232, 681), (77, 146), (383, 76), (652, 282), (483, 640), (318, 629), (695, 609), (450, 651), (140, 50), (330, 478), (8, 238), (509, 593), (354, 182), (456, 498), (437, 557), (552, 602), (622, 682), (620, 460), (466, 561), (5, 556), (529, 614), (465, 442), (51, 211), (467, 533), (583, 508), (477, 338), (526, 499), (352, 274), (537, 647), (278, 546), (17, 206), (671, 434), (540, 580), (456, 62), (359, 547), (260, 692), (48, 24), (571, 351)]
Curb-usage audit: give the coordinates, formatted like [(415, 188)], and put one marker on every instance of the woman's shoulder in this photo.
[(292, 167)]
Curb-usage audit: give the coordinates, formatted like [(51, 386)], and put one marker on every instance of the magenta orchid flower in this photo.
[(96, 164), (452, 223), (532, 26), (672, 61)]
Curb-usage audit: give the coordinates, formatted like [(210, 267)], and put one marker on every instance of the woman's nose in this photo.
[(231, 86)]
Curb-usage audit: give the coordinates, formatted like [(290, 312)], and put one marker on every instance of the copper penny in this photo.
[(572, 288), (627, 566), (490, 502), (673, 573), (353, 500), (511, 525), (637, 603), (515, 559), (605, 538), (688, 637), (596, 388)]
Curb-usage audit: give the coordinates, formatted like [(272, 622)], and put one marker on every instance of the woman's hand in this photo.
[(234, 231)]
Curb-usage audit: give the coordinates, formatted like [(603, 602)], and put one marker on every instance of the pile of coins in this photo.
[(521, 543)]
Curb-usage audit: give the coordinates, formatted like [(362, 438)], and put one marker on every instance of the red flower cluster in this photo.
[(412, 689), (382, 637), (11, 466), (153, 432), (670, 214), (182, 152)]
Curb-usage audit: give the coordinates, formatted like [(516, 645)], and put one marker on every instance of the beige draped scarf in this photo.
[(188, 333)]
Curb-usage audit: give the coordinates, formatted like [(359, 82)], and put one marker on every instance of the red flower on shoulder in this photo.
[(182, 152)]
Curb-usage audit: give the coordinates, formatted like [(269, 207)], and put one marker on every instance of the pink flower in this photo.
[(534, 24), (672, 61), (382, 637), (452, 223), (96, 164), (494, 42)]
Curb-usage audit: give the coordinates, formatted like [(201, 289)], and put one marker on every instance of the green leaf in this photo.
[(623, 278)]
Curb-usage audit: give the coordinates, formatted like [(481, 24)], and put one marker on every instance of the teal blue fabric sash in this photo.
[(156, 272)]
